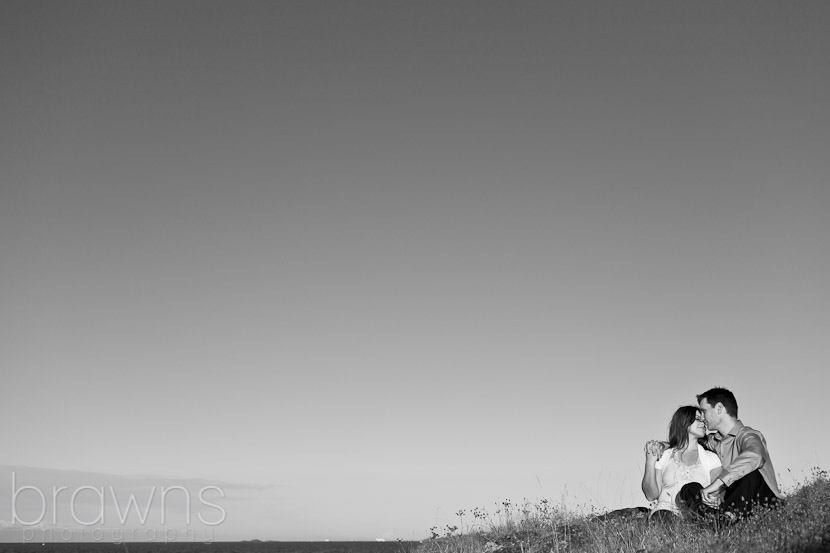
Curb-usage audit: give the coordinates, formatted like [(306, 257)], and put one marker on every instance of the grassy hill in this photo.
[(802, 525)]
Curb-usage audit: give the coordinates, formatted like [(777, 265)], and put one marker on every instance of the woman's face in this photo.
[(698, 428)]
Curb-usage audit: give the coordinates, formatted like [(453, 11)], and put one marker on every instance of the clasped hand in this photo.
[(654, 448), (710, 496)]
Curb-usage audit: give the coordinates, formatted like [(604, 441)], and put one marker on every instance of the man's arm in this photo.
[(751, 457), (711, 493)]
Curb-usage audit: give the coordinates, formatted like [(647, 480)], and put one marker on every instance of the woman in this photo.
[(684, 461)]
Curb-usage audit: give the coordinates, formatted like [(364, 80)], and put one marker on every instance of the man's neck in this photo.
[(726, 427)]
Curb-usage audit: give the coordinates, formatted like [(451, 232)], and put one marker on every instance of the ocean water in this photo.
[(217, 547)]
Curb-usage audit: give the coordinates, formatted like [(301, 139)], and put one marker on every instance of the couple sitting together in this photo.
[(712, 463)]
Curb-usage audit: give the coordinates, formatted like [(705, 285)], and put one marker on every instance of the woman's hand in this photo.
[(654, 449)]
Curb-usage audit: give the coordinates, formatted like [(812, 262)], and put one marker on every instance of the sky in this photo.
[(361, 265)]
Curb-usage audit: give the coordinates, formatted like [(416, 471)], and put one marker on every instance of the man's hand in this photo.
[(710, 495)]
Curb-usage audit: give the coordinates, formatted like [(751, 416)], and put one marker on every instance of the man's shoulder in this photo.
[(746, 435), (744, 429), (703, 450)]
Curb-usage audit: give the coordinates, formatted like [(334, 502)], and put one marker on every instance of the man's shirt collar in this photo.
[(732, 432)]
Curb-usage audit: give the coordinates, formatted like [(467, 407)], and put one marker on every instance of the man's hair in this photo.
[(723, 396), (682, 419)]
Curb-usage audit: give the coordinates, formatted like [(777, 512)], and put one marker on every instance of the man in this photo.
[(748, 477)]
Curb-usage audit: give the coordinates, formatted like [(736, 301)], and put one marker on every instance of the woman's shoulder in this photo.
[(664, 458), (709, 456), (669, 451)]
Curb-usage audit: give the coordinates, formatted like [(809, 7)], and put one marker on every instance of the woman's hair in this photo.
[(679, 426)]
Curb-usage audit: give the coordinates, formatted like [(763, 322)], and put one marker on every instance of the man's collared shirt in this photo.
[(741, 451)]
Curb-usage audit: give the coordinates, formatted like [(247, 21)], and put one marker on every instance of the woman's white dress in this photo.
[(674, 475)]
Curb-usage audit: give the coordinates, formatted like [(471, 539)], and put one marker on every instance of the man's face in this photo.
[(709, 413)]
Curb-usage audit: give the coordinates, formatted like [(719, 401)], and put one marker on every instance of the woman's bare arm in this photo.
[(651, 476)]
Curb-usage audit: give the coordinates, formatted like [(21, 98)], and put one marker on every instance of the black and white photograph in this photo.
[(414, 276)]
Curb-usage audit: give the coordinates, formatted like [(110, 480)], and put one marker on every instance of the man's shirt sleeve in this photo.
[(751, 457)]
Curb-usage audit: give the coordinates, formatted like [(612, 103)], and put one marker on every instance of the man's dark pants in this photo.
[(740, 497)]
